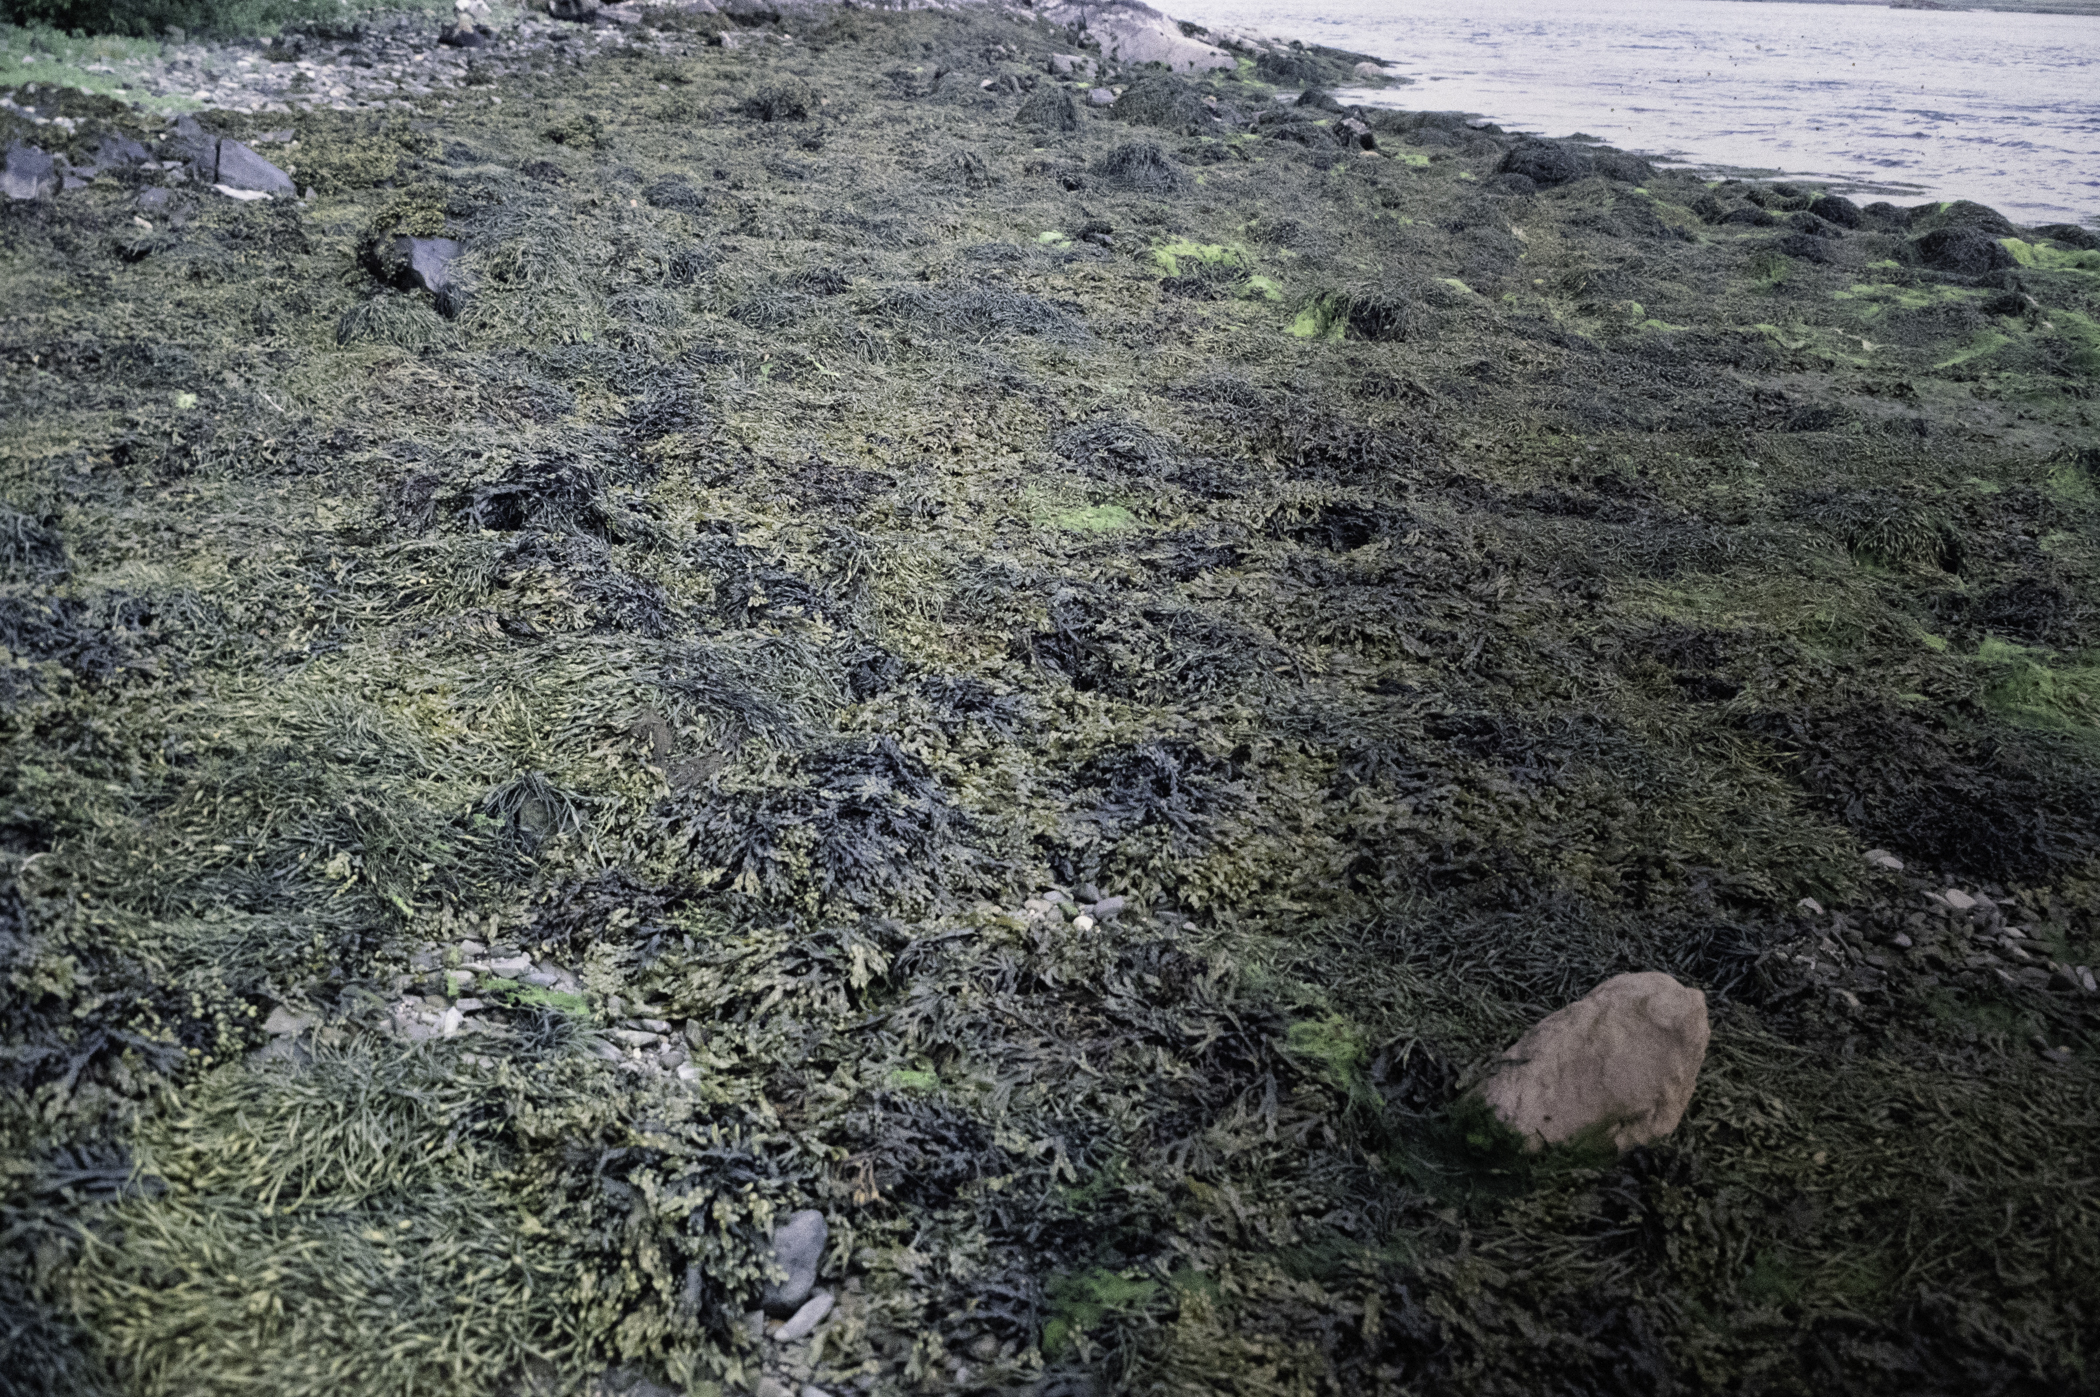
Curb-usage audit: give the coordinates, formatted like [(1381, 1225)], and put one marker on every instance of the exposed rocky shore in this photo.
[(833, 701)]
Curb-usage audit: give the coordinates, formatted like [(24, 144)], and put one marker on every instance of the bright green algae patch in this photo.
[(797, 541)]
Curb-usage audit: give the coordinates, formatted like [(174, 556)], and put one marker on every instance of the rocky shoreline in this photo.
[(823, 700)]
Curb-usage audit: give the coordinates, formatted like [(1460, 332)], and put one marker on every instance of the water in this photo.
[(1903, 104)]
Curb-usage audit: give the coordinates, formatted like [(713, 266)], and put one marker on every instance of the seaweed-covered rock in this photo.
[(1319, 101), (2071, 235), (1071, 65), (30, 173), (798, 1246), (1049, 109), (1834, 208), (1546, 163), (788, 100), (1963, 251), (1622, 1060), (1142, 167), (1101, 97), (1166, 102)]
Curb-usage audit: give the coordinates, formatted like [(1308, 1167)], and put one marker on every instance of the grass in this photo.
[(784, 558)]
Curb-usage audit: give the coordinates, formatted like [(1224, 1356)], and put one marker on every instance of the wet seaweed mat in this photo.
[(1051, 681)]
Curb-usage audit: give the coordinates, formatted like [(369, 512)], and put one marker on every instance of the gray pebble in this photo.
[(806, 1319), (798, 1245)]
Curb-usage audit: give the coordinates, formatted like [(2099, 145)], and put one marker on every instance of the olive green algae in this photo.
[(826, 513)]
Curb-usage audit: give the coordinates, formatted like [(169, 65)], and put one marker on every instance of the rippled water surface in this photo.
[(1914, 104)]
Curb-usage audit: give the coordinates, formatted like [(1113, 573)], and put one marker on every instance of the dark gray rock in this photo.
[(1354, 134), (30, 173), (798, 1247), (576, 11), (426, 263), (1101, 97), (462, 36), (195, 146), (242, 168), (119, 153)]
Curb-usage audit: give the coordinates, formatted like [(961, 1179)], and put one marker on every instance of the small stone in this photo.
[(2065, 981), (798, 1245), (635, 1037), (448, 1026), (1958, 900), (461, 36), (1900, 940), (1101, 97), (2086, 981), (283, 1022), (1810, 906), (1108, 909), (1625, 1057), (1882, 858), (1082, 922), (773, 1387), (805, 1320), (511, 967), (810, 1389)]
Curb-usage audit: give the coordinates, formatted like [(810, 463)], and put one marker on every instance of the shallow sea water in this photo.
[(1904, 104)]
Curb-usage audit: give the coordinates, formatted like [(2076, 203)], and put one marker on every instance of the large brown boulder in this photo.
[(1624, 1057)]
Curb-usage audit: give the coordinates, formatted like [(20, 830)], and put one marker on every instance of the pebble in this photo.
[(806, 1319), (635, 1037), (1958, 900), (1082, 922), (1882, 858), (1101, 97), (1899, 939), (773, 1387), (1810, 906), (798, 1245), (1108, 909), (512, 968)]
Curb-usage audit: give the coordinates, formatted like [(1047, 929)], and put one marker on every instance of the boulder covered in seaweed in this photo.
[(1050, 108), (1619, 1063)]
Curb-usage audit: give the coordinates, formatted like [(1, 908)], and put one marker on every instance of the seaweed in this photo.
[(1049, 686)]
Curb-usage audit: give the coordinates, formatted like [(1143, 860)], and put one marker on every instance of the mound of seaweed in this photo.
[(1050, 682)]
